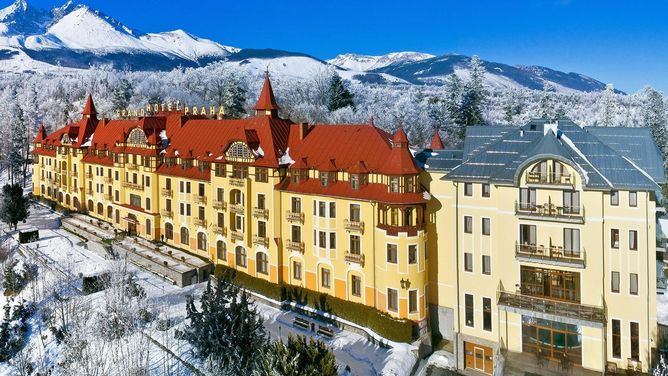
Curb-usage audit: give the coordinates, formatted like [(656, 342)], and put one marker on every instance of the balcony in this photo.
[(166, 192), (131, 167), (539, 178), (199, 199), (261, 240), (395, 230), (356, 226), (131, 185), (237, 235), (237, 208), (562, 311), (220, 230), (200, 222), (238, 182), (74, 174), (295, 246), (550, 255), (357, 258), (550, 212), (89, 175), (166, 214), (109, 198), (89, 192), (108, 179), (219, 205), (294, 216), (260, 212)]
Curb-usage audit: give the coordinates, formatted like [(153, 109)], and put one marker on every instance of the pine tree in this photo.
[(338, 95), (661, 368), (18, 142), (14, 206), (121, 95), (474, 94), (653, 116), (546, 105), (453, 101), (608, 107), (234, 98), (301, 357)]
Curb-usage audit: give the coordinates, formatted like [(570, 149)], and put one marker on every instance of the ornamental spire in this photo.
[(436, 142), (266, 103), (89, 110)]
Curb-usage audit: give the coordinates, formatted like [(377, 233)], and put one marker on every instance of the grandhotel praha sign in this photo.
[(154, 108)]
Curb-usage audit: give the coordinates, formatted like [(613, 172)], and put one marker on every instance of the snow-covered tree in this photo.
[(122, 95), (339, 96), (608, 109), (474, 94), (661, 368), (654, 117), (299, 356), (13, 205)]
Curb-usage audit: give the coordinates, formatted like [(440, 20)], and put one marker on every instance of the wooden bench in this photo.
[(325, 331), (301, 322)]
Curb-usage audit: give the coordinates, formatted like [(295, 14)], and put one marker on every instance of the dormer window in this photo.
[(355, 181), (186, 163), (324, 178), (203, 166), (394, 184), (409, 184)]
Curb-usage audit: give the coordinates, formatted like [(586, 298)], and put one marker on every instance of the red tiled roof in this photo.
[(78, 133), (371, 192), (266, 101), (41, 134), (96, 159), (45, 152), (190, 173), (400, 160), (436, 143)]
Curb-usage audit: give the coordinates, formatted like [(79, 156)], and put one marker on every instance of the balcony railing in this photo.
[(220, 230), (355, 257), (550, 211), (89, 192), (395, 230), (237, 235), (200, 222), (260, 212), (219, 205), (108, 179), (295, 246), (166, 213), (131, 185), (237, 182), (132, 167), (294, 216), (74, 174), (357, 226), (261, 240), (237, 208), (553, 255), (199, 199), (109, 197), (550, 178), (535, 306), (89, 175), (166, 192)]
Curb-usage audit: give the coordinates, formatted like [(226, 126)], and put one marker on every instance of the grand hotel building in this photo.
[(531, 239)]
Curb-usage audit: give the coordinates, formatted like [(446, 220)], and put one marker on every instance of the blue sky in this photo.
[(619, 42)]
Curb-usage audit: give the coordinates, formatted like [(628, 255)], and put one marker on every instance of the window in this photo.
[(614, 238), (528, 235), (571, 202), (135, 200), (633, 199), (635, 341), (322, 209), (297, 270), (201, 241), (468, 189), (261, 201), (355, 247), (324, 274), (355, 214), (571, 242), (412, 254), (616, 339), (221, 250), (614, 198), (332, 210), (169, 231), (468, 224), (487, 314), (356, 285), (201, 212), (296, 232), (241, 256), (200, 190), (408, 184), (262, 229), (185, 236), (412, 301), (485, 190), (332, 240), (486, 265), (633, 240), (614, 281), (355, 181), (262, 263), (392, 300), (296, 205), (468, 304), (468, 261), (633, 284), (322, 237), (148, 223), (486, 226), (148, 203), (392, 253), (261, 175), (324, 178), (394, 184)]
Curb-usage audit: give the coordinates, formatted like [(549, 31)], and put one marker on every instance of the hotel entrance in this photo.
[(479, 358), (552, 340)]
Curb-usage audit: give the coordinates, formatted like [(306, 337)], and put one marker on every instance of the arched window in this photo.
[(148, 227), (67, 200), (169, 231), (201, 241), (185, 235), (240, 252), (77, 206), (221, 250), (118, 216), (60, 197), (136, 137), (262, 263), (239, 150), (110, 211), (100, 208)]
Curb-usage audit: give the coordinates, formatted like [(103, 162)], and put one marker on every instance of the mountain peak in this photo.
[(358, 62), (20, 18)]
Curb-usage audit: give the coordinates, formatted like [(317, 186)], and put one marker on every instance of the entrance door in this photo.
[(132, 225), (478, 357)]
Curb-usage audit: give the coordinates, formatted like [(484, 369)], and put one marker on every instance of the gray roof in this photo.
[(499, 158), (439, 160)]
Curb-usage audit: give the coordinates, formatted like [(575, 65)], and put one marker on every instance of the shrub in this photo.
[(360, 314), (93, 284), (28, 236)]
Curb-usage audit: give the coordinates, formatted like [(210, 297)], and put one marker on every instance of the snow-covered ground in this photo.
[(67, 260)]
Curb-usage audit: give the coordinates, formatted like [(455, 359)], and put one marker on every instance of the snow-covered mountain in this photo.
[(74, 36), (358, 62)]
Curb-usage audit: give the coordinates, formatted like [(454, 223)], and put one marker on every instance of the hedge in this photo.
[(360, 314), (28, 236)]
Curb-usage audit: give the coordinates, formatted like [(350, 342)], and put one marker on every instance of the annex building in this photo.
[(533, 239)]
